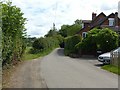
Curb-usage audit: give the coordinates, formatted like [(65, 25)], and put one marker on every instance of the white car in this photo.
[(106, 57)]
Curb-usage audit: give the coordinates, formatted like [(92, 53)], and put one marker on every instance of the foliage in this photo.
[(29, 41), (39, 43), (46, 43), (102, 39), (60, 40), (107, 40), (13, 33), (70, 30), (29, 56), (63, 30), (119, 39), (70, 43), (51, 33)]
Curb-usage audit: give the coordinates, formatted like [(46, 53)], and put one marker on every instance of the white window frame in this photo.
[(111, 21), (84, 34), (82, 25)]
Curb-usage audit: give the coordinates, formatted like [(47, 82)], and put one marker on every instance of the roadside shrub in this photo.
[(119, 39), (60, 40), (86, 47), (13, 33), (42, 44), (99, 39), (70, 43), (107, 40), (39, 44)]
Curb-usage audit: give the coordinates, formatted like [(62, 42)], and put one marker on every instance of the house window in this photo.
[(82, 25), (84, 34), (111, 21)]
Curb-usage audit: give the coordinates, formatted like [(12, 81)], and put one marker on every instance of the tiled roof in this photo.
[(86, 21)]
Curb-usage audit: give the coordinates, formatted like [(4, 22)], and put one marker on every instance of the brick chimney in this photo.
[(116, 18), (93, 15)]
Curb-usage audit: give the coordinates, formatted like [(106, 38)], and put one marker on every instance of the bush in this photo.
[(39, 44), (70, 43), (42, 44), (60, 40), (99, 39), (107, 40), (13, 33)]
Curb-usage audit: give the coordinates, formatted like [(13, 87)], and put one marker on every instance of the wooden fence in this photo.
[(115, 58)]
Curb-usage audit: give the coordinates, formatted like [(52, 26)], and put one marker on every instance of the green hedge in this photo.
[(13, 34), (46, 43), (70, 43), (99, 39)]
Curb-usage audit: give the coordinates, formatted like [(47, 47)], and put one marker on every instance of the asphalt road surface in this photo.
[(60, 71)]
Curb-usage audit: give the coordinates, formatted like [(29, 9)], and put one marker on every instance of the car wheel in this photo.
[(106, 62)]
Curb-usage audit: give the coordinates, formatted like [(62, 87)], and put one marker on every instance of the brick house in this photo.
[(111, 21)]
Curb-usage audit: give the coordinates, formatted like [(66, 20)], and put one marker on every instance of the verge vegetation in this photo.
[(111, 68), (13, 34)]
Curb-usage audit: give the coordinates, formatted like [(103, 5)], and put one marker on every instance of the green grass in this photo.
[(111, 68), (29, 56)]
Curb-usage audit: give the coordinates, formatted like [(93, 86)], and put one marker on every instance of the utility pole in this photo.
[(54, 28)]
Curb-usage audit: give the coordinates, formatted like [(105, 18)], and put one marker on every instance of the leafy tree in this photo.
[(107, 40), (39, 43), (70, 43), (42, 44), (51, 33), (73, 29), (70, 30), (63, 30), (13, 33), (103, 39), (30, 41), (79, 22)]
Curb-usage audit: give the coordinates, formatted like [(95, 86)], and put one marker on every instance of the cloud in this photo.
[(41, 14), (112, 5)]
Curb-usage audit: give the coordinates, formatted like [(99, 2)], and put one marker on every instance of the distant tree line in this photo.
[(55, 38)]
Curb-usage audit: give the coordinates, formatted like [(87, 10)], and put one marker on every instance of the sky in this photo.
[(41, 14)]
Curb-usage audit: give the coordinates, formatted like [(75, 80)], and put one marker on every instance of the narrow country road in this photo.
[(58, 71)]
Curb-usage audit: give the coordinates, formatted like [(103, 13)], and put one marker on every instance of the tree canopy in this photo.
[(99, 39), (70, 30)]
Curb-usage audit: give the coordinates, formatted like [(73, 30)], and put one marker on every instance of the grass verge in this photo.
[(29, 56), (111, 68)]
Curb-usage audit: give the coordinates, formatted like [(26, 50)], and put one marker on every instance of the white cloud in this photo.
[(41, 14)]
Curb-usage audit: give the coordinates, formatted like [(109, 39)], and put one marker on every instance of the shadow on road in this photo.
[(88, 58), (60, 52), (99, 65)]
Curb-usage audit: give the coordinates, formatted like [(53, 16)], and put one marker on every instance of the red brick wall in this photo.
[(84, 30), (106, 22)]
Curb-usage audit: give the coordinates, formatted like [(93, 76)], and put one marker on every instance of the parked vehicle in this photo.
[(106, 57)]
